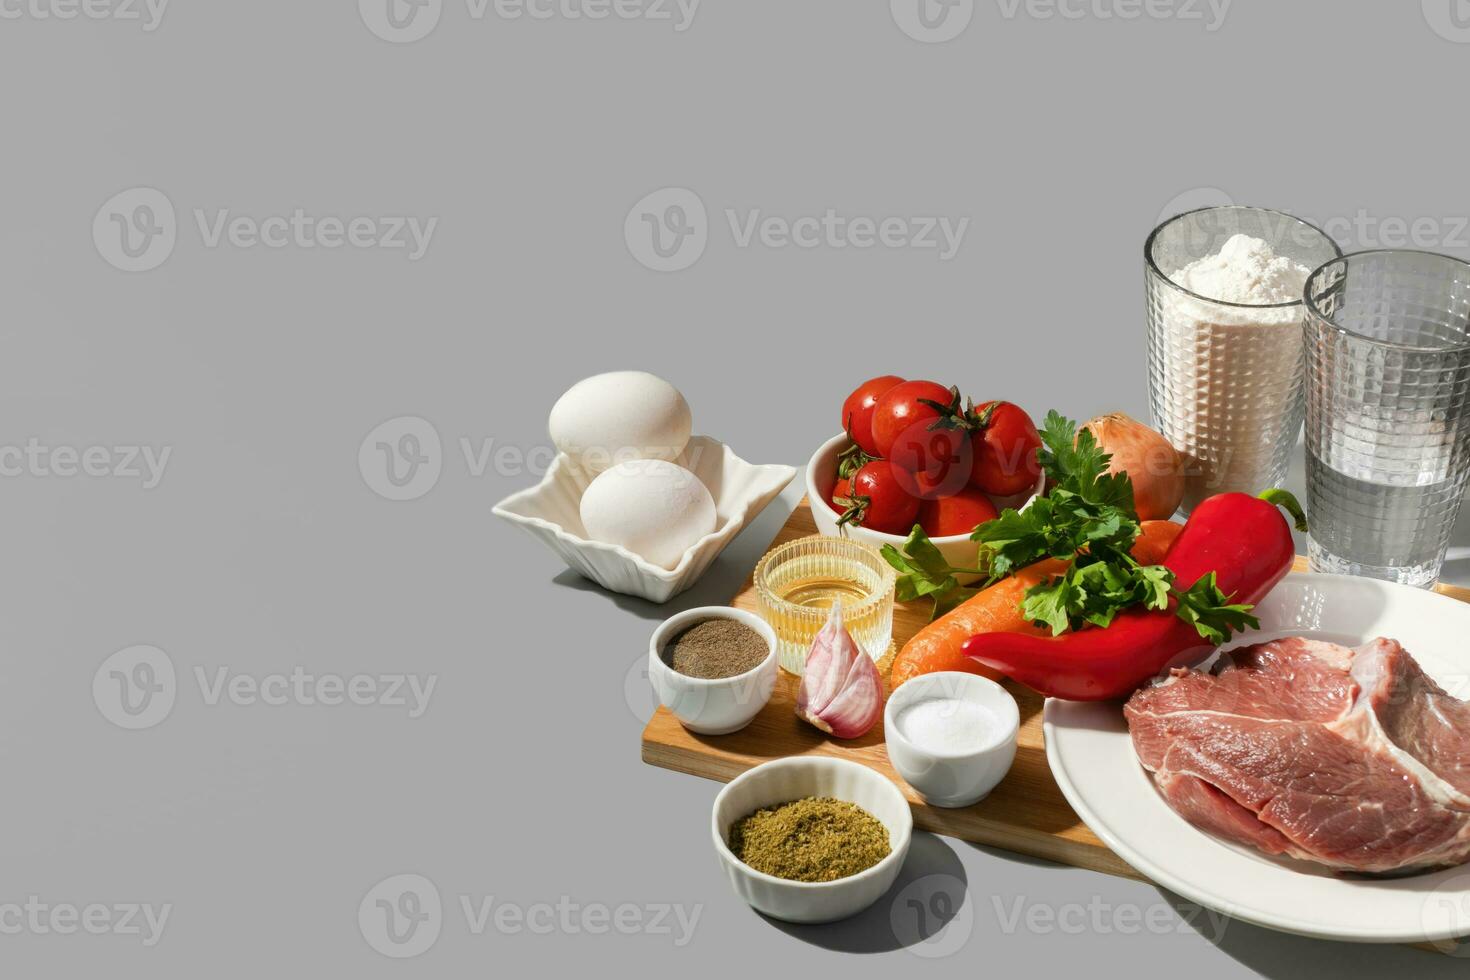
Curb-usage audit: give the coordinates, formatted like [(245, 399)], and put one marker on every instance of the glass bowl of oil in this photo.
[(796, 584)]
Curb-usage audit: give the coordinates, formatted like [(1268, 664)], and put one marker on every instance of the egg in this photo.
[(653, 508), (621, 415)]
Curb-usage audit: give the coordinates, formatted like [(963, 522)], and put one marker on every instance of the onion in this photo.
[(1154, 466)]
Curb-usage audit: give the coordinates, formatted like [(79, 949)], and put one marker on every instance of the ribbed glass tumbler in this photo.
[(798, 582), (1388, 412), (1225, 379)]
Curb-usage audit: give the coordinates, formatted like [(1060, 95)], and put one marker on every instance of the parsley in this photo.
[(1089, 518), (1210, 611), (1088, 509), (1075, 461), (925, 574), (1052, 602)]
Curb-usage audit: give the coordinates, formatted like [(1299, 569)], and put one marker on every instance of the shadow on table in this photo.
[(1281, 956), (929, 892)]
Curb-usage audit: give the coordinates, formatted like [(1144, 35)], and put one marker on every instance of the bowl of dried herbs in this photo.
[(811, 839)]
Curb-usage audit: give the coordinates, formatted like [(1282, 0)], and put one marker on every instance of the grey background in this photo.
[(263, 548)]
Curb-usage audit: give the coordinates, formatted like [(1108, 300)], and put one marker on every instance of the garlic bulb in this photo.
[(841, 692)]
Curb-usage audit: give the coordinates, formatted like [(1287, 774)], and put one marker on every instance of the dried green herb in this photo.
[(814, 839)]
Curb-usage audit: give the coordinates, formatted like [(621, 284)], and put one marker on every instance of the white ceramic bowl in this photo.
[(552, 512), (796, 778), (821, 474), (949, 779), (712, 707)]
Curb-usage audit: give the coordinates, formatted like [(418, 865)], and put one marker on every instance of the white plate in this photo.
[(1093, 760)]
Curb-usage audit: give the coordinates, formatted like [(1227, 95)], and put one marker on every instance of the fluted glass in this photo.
[(1225, 379), (1388, 412)]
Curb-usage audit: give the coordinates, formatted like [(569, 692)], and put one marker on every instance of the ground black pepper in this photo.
[(716, 648)]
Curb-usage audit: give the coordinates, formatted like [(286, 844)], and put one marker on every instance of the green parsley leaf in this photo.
[(1157, 582), (1052, 602), (1094, 592), (924, 573), (1074, 461), (1072, 458), (1089, 517), (1116, 490), (1211, 611), (1106, 589), (1016, 539)]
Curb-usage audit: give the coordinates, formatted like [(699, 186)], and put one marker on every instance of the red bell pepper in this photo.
[(1245, 540)]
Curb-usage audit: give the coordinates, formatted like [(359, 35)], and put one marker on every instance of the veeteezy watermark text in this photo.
[(404, 457), (38, 460), (406, 21), (403, 916), (148, 14), (137, 688), (937, 21), (669, 229), (1361, 229), (1450, 19), (1210, 13), (934, 917), (1100, 917), (37, 917), (136, 230)]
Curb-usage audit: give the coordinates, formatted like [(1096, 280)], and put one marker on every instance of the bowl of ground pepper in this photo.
[(714, 667), (811, 839)]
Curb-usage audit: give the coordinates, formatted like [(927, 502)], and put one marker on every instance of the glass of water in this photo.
[(1388, 412)]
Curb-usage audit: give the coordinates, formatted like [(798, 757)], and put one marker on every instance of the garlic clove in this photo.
[(841, 692), (856, 709), (826, 665)]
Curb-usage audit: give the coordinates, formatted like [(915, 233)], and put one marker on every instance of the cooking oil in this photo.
[(822, 591), (798, 583)]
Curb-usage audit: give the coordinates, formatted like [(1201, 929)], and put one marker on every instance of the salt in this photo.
[(947, 726)]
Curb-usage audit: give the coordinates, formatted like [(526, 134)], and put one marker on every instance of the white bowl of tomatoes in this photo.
[(914, 453)]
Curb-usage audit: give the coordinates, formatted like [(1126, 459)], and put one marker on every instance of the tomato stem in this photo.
[(856, 507)]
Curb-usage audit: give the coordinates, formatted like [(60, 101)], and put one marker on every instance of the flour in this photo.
[(1227, 380), (1249, 272)]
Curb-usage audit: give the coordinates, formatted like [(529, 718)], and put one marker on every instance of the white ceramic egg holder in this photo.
[(551, 511)]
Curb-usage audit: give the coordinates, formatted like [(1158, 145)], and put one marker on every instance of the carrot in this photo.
[(997, 609), (1155, 541)]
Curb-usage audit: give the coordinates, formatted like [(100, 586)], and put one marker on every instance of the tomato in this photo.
[(939, 462), (1005, 451), (927, 487), (840, 489), (901, 421), (959, 514), (880, 502), (857, 411)]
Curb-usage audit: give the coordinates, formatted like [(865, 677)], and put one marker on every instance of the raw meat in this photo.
[(1354, 759)]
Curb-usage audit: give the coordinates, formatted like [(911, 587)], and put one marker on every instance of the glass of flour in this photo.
[(1225, 359)]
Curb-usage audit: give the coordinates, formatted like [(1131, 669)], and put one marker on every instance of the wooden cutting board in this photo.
[(1026, 812)]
